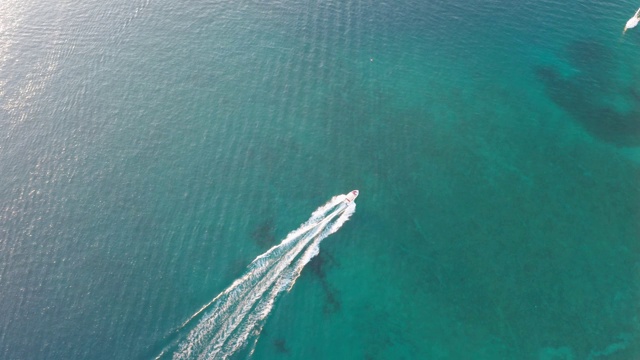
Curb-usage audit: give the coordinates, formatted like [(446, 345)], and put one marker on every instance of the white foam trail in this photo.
[(238, 313)]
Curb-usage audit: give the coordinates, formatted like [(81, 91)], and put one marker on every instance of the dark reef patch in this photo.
[(281, 346), (317, 265), (332, 304), (264, 234), (587, 95), (591, 58)]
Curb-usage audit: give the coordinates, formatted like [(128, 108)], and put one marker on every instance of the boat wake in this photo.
[(236, 316)]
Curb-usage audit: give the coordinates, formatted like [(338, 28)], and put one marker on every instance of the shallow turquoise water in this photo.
[(150, 150)]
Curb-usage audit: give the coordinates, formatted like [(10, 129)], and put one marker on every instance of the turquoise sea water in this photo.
[(151, 149)]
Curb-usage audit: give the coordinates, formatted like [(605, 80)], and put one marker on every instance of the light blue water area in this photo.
[(150, 150)]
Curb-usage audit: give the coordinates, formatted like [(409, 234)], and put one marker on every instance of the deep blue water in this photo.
[(151, 149)]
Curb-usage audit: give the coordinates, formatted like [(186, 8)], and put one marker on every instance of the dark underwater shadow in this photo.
[(582, 94), (264, 234), (317, 266)]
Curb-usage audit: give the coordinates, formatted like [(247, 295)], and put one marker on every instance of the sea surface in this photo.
[(151, 149)]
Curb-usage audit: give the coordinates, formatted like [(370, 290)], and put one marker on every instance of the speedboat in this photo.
[(633, 21), (351, 196)]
